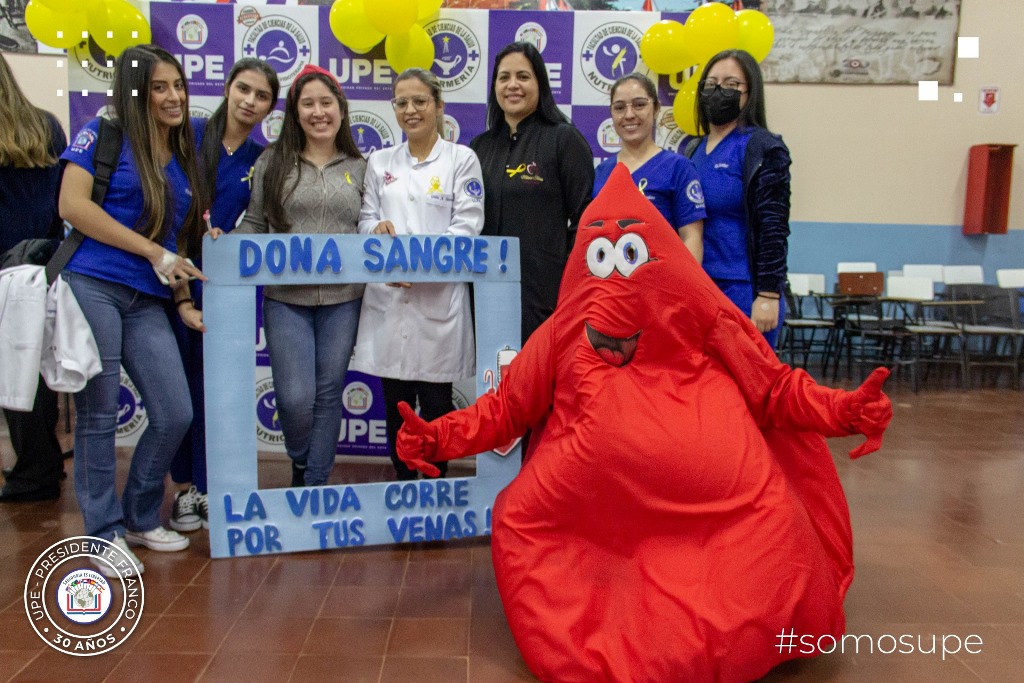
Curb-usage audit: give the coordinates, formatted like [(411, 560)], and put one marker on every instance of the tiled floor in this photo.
[(939, 541)]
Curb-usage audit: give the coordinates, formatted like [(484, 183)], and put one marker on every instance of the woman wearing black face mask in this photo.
[(744, 172)]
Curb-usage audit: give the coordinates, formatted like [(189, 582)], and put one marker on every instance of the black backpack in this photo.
[(104, 159)]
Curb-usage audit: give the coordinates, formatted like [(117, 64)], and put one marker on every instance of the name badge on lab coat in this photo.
[(442, 200)]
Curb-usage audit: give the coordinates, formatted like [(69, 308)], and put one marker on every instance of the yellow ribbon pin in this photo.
[(248, 178), (513, 172), (435, 185), (642, 185), (348, 178)]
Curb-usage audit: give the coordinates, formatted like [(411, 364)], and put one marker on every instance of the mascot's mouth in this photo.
[(613, 350)]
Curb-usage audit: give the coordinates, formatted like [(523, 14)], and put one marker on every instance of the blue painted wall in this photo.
[(817, 247)]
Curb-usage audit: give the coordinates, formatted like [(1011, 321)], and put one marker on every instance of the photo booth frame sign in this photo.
[(247, 520)]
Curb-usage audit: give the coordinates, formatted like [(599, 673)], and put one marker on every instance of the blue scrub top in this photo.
[(669, 181), (234, 179), (725, 228), (124, 203)]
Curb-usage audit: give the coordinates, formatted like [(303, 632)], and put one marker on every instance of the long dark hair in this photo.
[(26, 131), (284, 154), (210, 147), (753, 114), (547, 110), (133, 75)]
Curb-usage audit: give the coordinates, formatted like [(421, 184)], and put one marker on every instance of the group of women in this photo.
[(530, 175)]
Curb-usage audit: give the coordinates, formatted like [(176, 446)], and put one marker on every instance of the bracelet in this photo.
[(189, 300), (777, 297)]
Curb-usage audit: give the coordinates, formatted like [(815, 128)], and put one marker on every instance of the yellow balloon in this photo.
[(391, 17), (756, 33), (684, 105), (53, 29), (710, 29), (351, 27), (414, 48), (427, 9), (663, 47), (120, 20)]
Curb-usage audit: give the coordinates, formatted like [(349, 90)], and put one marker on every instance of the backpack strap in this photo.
[(104, 159), (691, 146)]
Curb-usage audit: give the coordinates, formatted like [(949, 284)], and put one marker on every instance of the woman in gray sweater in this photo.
[(310, 181)]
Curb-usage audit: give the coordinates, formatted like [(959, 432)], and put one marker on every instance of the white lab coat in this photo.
[(42, 329), (423, 333)]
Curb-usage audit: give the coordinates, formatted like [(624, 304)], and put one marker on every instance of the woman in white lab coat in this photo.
[(418, 338)]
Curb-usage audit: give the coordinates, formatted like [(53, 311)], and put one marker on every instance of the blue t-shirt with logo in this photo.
[(234, 179), (725, 228), (124, 203), (669, 181)]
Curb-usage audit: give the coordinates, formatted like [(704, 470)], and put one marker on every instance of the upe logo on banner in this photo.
[(192, 31), (131, 413), (280, 42), (451, 129), (456, 53), (608, 138), (73, 607), (370, 132), (268, 422), (609, 52), (272, 125), (534, 33), (358, 398)]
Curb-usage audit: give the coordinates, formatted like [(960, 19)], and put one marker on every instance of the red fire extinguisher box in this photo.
[(987, 208)]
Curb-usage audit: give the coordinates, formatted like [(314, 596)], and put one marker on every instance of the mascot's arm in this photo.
[(524, 396), (780, 397)]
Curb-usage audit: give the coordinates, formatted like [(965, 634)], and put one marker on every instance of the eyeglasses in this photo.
[(418, 103), (729, 87), (639, 106)]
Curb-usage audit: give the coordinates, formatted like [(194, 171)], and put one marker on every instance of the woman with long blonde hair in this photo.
[(30, 142)]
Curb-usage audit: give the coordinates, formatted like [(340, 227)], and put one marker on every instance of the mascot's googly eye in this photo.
[(630, 253), (601, 257)]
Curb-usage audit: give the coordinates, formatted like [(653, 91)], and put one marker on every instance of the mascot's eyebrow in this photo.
[(595, 224), (624, 223)]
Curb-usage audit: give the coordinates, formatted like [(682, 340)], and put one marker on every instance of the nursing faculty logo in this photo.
[(192, 31), (131, 413), (370, 132), (84, 596), (456, 53), (280, 42), (609, 52)]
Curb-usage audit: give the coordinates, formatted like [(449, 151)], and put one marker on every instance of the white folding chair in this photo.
[(1010, 278), (931, 270), (856, 267), (963, 275)]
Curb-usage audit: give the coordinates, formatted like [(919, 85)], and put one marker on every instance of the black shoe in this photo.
[(298, 475), (45, 493)]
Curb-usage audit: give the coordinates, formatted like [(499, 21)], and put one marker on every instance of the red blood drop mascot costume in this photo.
[(679, 507)]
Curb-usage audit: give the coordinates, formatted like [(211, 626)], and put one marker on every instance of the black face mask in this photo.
[(719, 107)]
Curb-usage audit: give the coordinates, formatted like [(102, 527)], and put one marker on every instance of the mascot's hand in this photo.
[(417, 441), (866, 410)]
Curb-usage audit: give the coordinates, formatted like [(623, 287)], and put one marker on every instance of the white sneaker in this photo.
[(159, 539), (185, 516), (203, 509), (111, 572)]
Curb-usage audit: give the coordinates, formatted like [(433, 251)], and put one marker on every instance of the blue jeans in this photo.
[(189, 464), (310, 347), (131, 329)]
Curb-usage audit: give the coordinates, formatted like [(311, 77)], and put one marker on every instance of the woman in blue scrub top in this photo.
[(666, 178), (122, 275), (744, 172), (226, 158)]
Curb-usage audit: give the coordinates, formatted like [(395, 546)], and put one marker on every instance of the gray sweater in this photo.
[(325, 201)]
